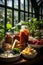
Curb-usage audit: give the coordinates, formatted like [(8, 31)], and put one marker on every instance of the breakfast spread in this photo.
[(19, 44)]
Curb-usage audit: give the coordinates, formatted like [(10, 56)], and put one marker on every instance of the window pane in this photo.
[(33, 15), (37, 0), (40, 17), (21, 15), (2, 21), (9, 16), (33, 10), (2, 2), (15, 17), (9, 3), (26, 5), (22, 4), (30, 15), (42, 10), (26, 16), (16, 4), (30, 6)]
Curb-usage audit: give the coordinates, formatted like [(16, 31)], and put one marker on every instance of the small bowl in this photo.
[(29, 56)]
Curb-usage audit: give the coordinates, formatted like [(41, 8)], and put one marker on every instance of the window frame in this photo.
[(19, 10)]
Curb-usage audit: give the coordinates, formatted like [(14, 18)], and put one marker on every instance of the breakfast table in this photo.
[(38, 59), (23, 61)]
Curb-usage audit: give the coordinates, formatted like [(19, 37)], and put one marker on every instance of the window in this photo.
[(26, 5), (16, 4), (9, 16), (15, 17), (2, 22), (22, 4), (13, 11), (2, 2), (9, 3), (22, 16)]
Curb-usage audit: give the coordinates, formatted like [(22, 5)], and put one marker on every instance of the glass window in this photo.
[(40, 17), (16, 4), (26, 5), (34, 15), (33, 10), (40, 11), (30, 15), (22, 4), (9, 16), (2, 2), (2, 21), (26, 16), (30, 6), (37, 0), (2, 16), (15, 17), (21, 15), (9, 3), (18, 14)]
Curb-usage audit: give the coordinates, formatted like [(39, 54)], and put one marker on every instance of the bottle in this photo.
[(24, 34)]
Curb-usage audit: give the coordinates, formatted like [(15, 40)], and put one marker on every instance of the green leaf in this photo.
[(9, 26)]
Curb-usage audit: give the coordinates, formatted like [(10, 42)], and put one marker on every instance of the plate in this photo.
[(7, 58)]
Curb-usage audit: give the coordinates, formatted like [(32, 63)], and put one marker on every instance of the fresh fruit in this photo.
[(37, 42)]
